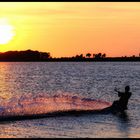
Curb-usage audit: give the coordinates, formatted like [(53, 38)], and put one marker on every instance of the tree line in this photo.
[(30, 55), (27, 55), (89, 55)]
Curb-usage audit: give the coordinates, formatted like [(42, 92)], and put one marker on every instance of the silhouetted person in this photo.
[(121, 104)]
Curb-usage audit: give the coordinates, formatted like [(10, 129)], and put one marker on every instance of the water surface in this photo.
[(92, 80)]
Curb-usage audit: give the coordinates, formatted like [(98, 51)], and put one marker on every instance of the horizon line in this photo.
[(84, 54)]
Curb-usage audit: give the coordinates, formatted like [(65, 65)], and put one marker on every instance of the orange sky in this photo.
[(70, 28)]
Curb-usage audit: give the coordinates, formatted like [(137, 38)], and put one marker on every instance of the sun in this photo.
[(6, 31)]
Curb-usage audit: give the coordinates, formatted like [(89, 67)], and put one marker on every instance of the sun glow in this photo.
[(6, 31), (69, 29)]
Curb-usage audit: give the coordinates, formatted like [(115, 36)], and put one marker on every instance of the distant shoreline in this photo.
[(36, 56)]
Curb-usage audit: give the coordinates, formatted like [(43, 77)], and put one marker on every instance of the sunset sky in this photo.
[(70, 28)]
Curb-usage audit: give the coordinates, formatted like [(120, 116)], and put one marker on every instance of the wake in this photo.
[(29, 105)]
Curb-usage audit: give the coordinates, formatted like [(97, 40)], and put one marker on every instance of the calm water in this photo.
[(26, 80)]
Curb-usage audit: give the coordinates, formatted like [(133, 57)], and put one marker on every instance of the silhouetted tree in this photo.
[(94, 55), (133, 56), (98, 56), (81, 56), (88, 55), (77, 56), (103, 55)]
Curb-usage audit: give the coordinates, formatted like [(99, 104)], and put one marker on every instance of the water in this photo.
[(25, 87)]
